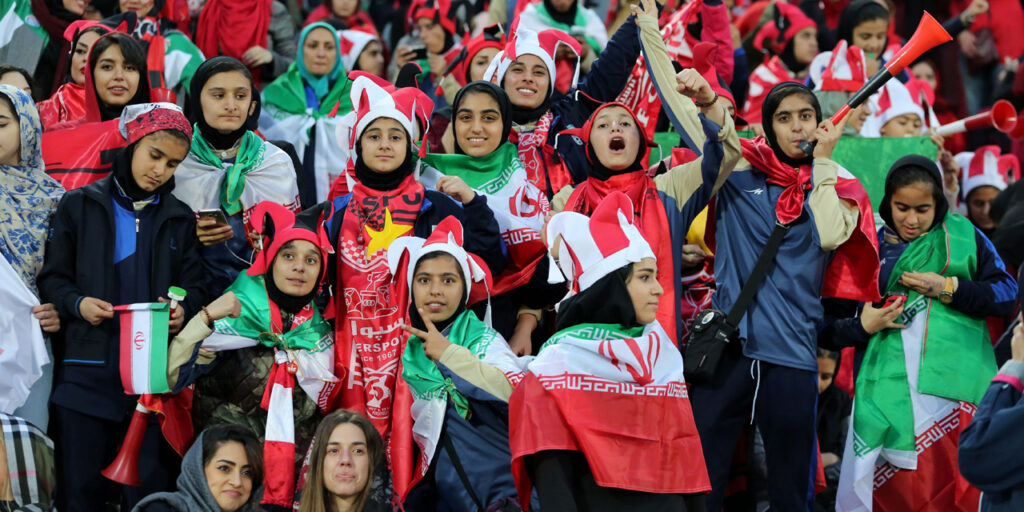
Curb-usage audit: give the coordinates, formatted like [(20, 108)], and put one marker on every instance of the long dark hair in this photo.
[(314, 495), (134, 54)]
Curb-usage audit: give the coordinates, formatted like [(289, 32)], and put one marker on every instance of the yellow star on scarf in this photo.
[(382, 239)]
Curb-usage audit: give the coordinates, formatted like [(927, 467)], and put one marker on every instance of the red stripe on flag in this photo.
[(126, 351), (936, 484), (279, 479)]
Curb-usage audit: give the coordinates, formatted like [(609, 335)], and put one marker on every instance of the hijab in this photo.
[(28, 196), (771, 104), (122, 172), (607, 301), (858, 12), (895, 180), (567, 17), (491, 89), (321, 85), (194, 107), (384, 181)]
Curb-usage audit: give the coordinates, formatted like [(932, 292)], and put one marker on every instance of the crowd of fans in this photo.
[(340, 255)]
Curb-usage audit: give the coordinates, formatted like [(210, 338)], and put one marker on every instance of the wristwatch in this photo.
[(946, 295)]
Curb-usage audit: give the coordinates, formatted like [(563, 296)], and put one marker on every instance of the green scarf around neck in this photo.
[(424, 378), (487, 174), (956, 361), (288, 93), (254, 322), (250, 154)]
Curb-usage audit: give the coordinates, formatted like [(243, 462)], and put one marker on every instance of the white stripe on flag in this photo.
[(142, 343), (9, 24), (280, 424)]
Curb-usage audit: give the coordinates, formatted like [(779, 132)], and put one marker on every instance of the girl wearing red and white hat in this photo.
[(386, 203), (610, 353)]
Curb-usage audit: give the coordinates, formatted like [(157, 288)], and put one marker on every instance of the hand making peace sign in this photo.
[(434, 343)]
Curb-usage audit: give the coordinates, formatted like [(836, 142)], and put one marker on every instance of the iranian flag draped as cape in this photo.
[(286, 116), (918, 389), (584, 372)]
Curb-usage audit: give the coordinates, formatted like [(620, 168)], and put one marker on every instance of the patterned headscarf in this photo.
[(28, 197)]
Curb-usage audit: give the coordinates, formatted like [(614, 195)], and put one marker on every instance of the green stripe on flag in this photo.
[(158, 349)]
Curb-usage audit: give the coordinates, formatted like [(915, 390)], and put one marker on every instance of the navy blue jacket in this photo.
[(990, 447), (81, 251)]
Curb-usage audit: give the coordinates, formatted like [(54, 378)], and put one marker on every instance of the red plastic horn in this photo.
[(928, 35), (1018, 130), (1002, 117), (125, 468)]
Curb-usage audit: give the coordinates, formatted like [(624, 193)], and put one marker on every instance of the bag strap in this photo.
[(447, 442), (739, 308)]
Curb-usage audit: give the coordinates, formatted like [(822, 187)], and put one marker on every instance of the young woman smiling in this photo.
[(221, 472), (456, 423), (485, 160)]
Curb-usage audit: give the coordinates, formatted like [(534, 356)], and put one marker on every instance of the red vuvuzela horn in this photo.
[(125, 468), (1018, 130), (1002, 117), (928, 35)]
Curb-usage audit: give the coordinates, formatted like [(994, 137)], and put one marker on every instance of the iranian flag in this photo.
[(143, 345), (22, 39)]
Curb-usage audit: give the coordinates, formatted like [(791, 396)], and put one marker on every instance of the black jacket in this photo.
[(80, 263)]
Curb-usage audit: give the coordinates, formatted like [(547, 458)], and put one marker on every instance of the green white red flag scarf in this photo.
[(518, 205), (584, 372), (917, 390)]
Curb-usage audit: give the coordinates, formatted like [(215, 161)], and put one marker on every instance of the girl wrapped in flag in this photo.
[(460, 372), (610, 354), (247, 350), (929, 358), (121, 240)]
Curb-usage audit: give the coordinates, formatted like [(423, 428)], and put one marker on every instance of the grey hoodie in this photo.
[(193, 494)]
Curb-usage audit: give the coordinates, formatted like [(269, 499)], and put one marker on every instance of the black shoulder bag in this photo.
[(713, 330)]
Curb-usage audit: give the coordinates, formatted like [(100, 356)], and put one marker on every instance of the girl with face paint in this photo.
[(941, 298), (827, 250), (305, 106), (230, 168), (487, 162)]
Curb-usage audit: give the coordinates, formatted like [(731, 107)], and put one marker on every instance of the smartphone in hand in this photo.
[(216, 214)]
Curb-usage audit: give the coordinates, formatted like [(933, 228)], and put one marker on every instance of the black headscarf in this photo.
[(122, 172), (607, 301), (414, 315), (600, 172), (384, 181), (858, 12), (491, 89), (290, 303), (567, 17), (906, 171), (771, 104), (788, 57), (194, 107), (523, 116)]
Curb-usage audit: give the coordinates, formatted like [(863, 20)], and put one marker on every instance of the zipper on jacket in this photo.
[(136, 222)]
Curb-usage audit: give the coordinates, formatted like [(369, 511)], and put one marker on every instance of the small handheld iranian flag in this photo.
[(143, 345)]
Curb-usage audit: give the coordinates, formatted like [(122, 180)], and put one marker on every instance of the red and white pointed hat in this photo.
[(544, 45), (351, 44), (589, 248), (984, 170), (842, 69), (447, 237), (278, 224), (373, 98), (788, 20)]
